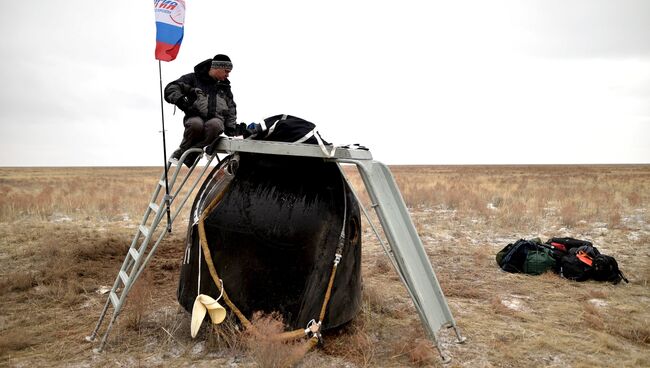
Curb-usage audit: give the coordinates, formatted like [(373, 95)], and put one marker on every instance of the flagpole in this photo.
[(162, 112)]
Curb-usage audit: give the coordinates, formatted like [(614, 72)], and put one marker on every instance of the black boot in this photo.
[(209, 149)]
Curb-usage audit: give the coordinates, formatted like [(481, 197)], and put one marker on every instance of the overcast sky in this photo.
[(418, 82)]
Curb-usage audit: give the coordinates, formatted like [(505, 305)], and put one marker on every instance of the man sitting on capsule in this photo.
[(206, 99)]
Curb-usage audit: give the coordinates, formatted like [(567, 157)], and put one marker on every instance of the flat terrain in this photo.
[(64, 233)]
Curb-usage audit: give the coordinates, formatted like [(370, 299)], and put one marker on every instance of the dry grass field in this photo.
[(65, 231)]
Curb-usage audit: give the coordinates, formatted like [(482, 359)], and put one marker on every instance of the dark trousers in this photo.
[(199, 133)]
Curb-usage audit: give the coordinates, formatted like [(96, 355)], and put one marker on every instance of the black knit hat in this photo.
[(221, 61)]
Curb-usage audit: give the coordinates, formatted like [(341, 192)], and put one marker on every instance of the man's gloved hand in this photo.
[(186, 100), (240, 129), (244, 130)]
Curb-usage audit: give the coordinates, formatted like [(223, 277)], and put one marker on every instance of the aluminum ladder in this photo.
[(140, 253)]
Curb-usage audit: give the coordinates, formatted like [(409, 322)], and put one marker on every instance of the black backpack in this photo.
[(577, 263), (605, 268), (586, 262), (572, 268), (512, 257)]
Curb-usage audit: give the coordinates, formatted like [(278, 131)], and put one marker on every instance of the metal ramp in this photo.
[(405, 250)]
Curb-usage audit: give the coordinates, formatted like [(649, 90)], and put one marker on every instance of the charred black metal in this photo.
[(274, 236)]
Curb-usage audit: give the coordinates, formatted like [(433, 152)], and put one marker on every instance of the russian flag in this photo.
[(170, 18)]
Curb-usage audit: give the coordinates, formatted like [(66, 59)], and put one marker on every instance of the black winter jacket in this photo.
[(220, 101)]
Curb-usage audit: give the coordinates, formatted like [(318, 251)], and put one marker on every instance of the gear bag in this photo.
[(565, 244), (539, 261), (572, 268), (587, 263), (526, 256), (288, 128), (605, 268), (577, 263)]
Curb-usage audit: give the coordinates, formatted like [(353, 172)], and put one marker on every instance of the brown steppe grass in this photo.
[(65, 232)]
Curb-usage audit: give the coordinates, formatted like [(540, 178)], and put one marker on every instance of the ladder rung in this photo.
[(134, 253), (124, 276), (114, 299), (154, 207), (144, 230)]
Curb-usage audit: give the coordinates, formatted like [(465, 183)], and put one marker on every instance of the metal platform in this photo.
[(231, 145)]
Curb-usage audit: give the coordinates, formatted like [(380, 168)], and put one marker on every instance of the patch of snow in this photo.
[(198, 348), (520, 296), (165, 313), (444, 211), (126, 361), (633, 236), (600, 230), (598, 302), (515, 304), (89, 303), (103, 290), (564, 231), (60, 217), (554, 361), (501, 242), (491, 206)]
